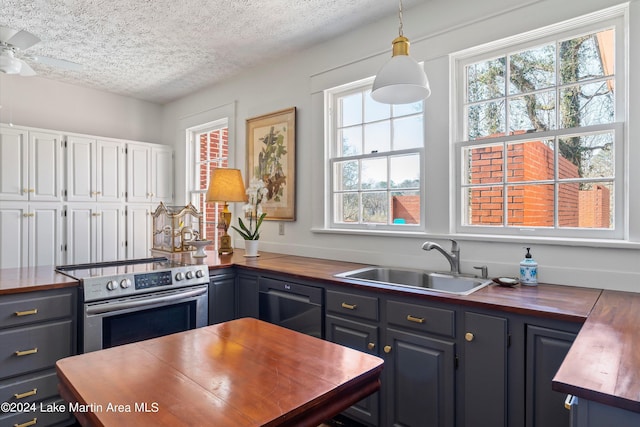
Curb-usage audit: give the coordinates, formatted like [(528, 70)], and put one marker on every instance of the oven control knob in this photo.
[(199, 274), (125, 283), (112, 284), (179, 276), (189, 274)]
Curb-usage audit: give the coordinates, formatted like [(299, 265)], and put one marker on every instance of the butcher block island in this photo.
[(244, 372)]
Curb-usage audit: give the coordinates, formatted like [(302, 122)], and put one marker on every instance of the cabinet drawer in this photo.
[(34, 347), (352, 305), (47, 413), (426, 319), (30, 388), (23, 309)]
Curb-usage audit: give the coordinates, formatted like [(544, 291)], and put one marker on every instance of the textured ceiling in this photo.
[(160, 50)]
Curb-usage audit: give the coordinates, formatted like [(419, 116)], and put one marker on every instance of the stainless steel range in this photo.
[(134, 300)]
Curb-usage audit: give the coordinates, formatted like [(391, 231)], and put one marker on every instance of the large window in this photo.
[(540, 134), (210, 150), (376, 160)]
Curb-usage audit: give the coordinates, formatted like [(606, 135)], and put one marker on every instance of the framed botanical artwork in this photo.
[(271, 157)]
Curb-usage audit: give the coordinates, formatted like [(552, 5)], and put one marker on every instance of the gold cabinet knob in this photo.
[(387, 349), (371, 346), (469, 336)]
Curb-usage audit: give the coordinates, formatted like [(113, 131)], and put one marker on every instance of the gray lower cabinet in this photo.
[(587, 413), (247, 295), (36, 329), (484, 363), (222, 296), (546, 348)]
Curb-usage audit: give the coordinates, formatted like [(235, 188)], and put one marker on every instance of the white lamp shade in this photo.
[(400, 81)]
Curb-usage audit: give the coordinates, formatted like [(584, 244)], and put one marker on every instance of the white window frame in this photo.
[(331, 97), (613, 17)]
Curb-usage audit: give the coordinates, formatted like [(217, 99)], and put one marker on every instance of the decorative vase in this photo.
[(251, 248)]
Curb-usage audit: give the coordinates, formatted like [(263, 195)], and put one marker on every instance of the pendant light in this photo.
[(401, 80)]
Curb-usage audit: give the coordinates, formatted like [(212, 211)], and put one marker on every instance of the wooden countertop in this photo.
[(603, 363), (240, 373), (18, 280)]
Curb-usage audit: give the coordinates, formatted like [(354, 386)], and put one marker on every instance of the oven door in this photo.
[(125, 320)]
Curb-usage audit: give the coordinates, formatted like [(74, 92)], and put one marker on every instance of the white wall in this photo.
[(435, 29), (46, 104)]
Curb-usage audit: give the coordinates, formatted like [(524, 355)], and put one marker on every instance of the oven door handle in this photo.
[(122, 305)]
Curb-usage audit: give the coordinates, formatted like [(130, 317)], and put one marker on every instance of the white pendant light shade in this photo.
[(400, 81)]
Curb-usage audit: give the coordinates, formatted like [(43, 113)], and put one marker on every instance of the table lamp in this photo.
[(226, 185)]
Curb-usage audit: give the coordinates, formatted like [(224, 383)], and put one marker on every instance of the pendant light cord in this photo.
[(400, 31)]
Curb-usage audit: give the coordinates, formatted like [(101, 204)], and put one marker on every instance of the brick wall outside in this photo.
[(407, 208), (216, 147)]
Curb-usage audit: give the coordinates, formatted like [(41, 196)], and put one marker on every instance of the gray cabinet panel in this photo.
[(352, 305), (420, 376), (546, 349), (30, 388), (23, 309), (248, 294), (421, 318), (222, 298), (485, 370)]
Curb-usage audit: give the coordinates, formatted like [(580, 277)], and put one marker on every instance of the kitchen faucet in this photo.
[(453, 257)]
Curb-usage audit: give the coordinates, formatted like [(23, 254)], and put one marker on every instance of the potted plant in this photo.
[(256, 192)]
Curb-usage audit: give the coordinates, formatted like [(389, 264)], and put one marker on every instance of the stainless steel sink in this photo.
[(459, 285)]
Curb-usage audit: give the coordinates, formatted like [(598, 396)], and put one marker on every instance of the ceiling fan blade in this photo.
[(21, 39), (26, 70), (58, 63)]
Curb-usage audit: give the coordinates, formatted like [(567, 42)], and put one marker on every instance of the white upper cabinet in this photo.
[(95, 232), (95, 170), (149, 173), (30, 165)]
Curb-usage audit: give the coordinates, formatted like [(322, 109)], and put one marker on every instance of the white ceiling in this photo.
[(161, 50)]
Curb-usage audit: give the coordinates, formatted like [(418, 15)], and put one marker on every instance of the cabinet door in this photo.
[(419, 376), (363, 337), (222, 298), (110, 169), (81, 174), (138, 231), (109, 228), (546, 349), (13, 235), (162, 175), (138, 173), (45, 164), (248, 296), (485, 362), (45, 231), (13, 164), (81, 245)]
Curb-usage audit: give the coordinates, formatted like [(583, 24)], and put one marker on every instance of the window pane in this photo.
[(486, 120), (485, 80), (530, 205), (345, 175), (374, 110), (587, 104), (587, 57), (405, 207), (405, 171), (350, 110), (483, 164), (590, 156), (351, 141), (484, 205), (377, 137), (408, 133), (532, 113), (530, 161), (586, 205), (374, 173), (406, 109), (375, 207), (532, 69), (346, 207)]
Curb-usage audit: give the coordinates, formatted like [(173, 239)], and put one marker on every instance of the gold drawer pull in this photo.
[(349, 306), (26, 312), (26, 394), (26, 352), (27, 424), (411, 318), (387, 349), (371, 346), (469, 336)]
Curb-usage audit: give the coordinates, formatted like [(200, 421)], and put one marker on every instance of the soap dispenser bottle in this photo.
[(528, 270)]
